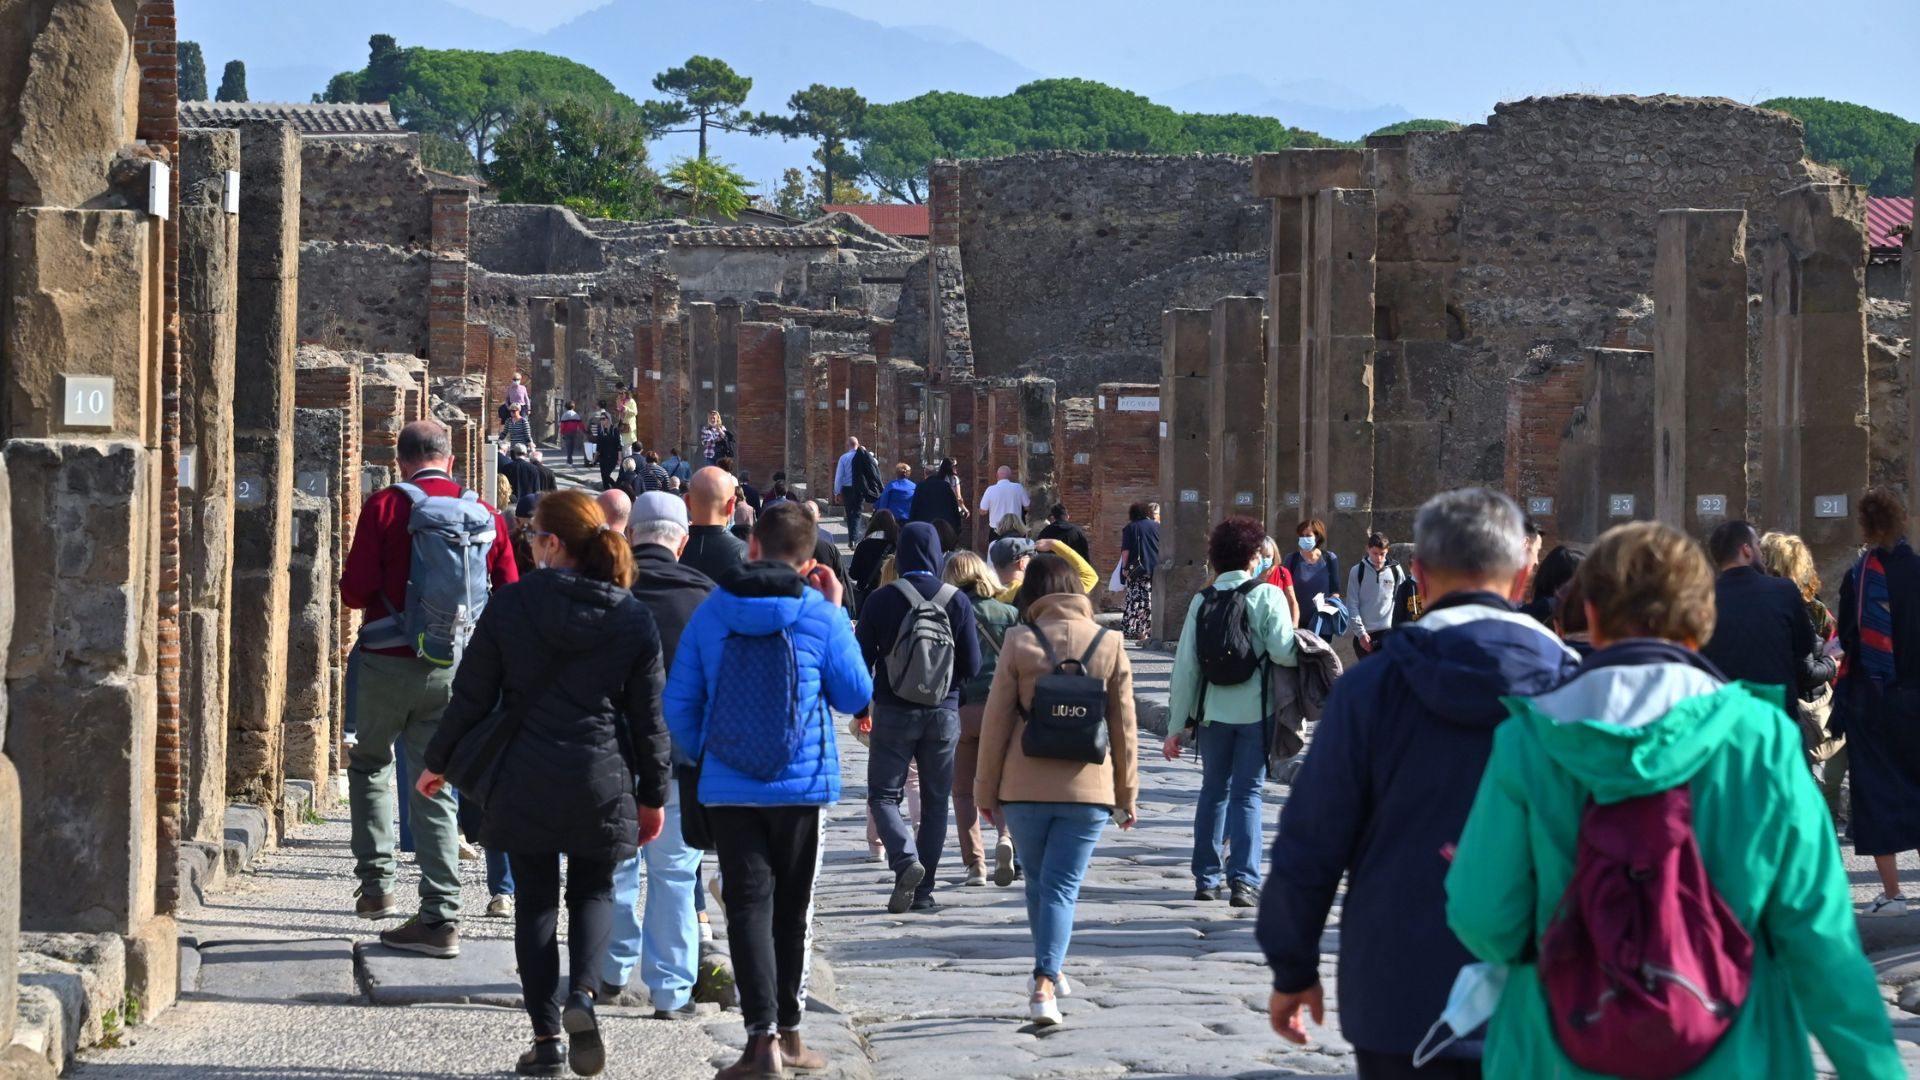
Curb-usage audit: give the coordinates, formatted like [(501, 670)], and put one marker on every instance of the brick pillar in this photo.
[(727, 364), (313, 639), (209, 284), (1606, 458), (798, 442), (1340, 367), (1237, 409), (382, 408), (886, 417), (964, 420), (910, 408), (839, 410), (863, 399), (334, 389), (1186, 467), (1073, 446), (1003, 442), (703, 352), (648, 388), (880, 338), (760, 422), (950, 335), (447, 290), (503, 361), (822, 451), (1125, 465), (548, 341), (1038, 419), (580, 377), (1814, 440), (263, 460), (1539, 407), (1700, 369)]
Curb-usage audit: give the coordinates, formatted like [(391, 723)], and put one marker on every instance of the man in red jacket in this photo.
[(400, 696)]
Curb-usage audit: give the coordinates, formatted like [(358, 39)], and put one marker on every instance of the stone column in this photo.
[(1813, 357), (669, 358), (1237, 410), (329, 388), (312, 636), (886, 417), (263, 460), (727, 375), (1186, 467), (839, 398), (580, 379), (863, 395), (447, 288), (1340, 484), (799, 401), (547, 319), (822, 451), (209, 282), (703, 349), (1606, 458), (910, 415), (760, 424), (1700, 369)]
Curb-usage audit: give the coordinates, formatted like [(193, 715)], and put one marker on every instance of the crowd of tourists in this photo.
[(1585, 804)]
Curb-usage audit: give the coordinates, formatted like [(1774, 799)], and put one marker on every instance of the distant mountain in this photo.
[(292, 49), (533, 18), (1318, 105), (783, 45)]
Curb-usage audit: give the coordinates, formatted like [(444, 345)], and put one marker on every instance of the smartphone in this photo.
[(1121, 817)]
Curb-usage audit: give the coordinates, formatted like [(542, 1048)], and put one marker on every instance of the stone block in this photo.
[(69, 69), (1700, 369), (86, 972), (1237, 375), (316, 971), (269, 200), (1419, 228), (9, 895), (1298, 173), (1411, 300), (484, 973), (1606, 458), (73, 279), (153, 967), (1186, 450), (1345, 235)]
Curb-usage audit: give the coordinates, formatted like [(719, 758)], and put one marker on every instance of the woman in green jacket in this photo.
[(1645, 714)]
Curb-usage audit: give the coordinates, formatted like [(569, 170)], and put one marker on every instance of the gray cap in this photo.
[(1009, 550), (658, 506)]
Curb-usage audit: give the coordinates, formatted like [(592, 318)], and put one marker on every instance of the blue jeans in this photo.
[(1233, 763), (499, 874), (1055, 841), (927, 737), (666, 942)]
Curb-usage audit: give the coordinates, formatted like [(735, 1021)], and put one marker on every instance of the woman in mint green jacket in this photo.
[(1644, 714), (1230, 731)]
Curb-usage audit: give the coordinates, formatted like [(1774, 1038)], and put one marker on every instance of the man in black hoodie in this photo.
[(665, 945), (905, 732)]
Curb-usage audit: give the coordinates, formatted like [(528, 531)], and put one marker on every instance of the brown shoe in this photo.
[(438, 940), (795, 1055), (369, 904), (759, 1061)]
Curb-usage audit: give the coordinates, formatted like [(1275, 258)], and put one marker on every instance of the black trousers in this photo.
[(1375, 1065), (536, 917), (851, 500), (769, 857), (609, 464)]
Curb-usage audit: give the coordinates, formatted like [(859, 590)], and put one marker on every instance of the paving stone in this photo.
[(282, 971), (484, 973)]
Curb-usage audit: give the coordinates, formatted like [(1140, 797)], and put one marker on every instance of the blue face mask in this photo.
[(1475, 996), (1306, 543), (1264, 567)]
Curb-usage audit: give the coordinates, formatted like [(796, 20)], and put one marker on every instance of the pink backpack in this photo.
[(1644, 965)]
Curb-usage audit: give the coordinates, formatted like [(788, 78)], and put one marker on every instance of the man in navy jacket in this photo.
[(1763, 633), (1388, 780)]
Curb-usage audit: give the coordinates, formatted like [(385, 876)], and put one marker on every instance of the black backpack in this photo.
[(1225, 646), (1068, 718)]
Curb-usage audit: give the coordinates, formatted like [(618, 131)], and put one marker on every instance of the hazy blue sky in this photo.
[(1449, 59)]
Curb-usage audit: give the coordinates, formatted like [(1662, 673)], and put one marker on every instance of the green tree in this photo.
[(1407, 127), (589, 158), (714, 189), (705, 92), (1874, 147), (836, 116), (792, 197), (233, 82), (469, 96), (192, 71)]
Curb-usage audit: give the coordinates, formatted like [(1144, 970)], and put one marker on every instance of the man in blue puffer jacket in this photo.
[(768, 831)]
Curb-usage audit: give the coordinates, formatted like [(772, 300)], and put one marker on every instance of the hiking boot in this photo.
[(1205, 893), (689, 1011), (1243, 895), (759, 1061), (548, 1057), (585, 1052), (500, 907), (904, 883), (1004, 871), (438, 940), (1886, 907), (977, 874), (369, 904), (795, 1055)]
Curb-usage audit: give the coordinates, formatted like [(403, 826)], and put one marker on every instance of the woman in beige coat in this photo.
[(1054, 807)]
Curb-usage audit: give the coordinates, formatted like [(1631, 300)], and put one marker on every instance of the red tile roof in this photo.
[(894, 219), (1884, 213)]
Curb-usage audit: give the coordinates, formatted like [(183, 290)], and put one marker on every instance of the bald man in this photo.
[(618, 508), (711, 548), (1006, 497), (856, 482)]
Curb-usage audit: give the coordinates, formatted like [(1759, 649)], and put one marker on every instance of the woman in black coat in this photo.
[(883, 534), (939, 499), (576, 659)]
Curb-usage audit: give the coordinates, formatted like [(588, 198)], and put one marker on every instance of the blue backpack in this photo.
[(754, 724), (447, 582)]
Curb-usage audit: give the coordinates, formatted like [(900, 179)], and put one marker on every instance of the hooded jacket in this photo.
[(1191, 697), (1642, 717), (1383, 793), (590, 741), (918, 560), (763, 598)]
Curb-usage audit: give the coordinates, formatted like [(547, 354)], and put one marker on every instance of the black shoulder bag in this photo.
[(474, 765), (1068, 718)]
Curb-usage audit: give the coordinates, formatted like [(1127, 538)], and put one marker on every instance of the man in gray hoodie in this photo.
[(1370, 588)]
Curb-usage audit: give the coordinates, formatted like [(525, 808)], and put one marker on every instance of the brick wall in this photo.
[(761, 421), (909, 409), (822, 453), (863, 400), (647, 389), (839, 374), (1539, 407), (503, 360), (1126, 463)]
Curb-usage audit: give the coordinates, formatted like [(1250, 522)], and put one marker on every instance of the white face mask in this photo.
[(1471, 1002)]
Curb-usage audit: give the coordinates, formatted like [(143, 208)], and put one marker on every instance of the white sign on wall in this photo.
[(313, 482), (249, 491), (190, 467), (1620, 506), (1138, 404), (1710, 505), (1829, 506), (1010, 440), (1082, 459), (1540, 505), (1040, 448), (1189, 495), (1293, 500), (87, 401), (1163, 429), (1243, 498), (962, 429)]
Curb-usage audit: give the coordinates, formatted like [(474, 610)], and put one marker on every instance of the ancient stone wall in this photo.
[(365, 192), (364, 297), (1048, 237)]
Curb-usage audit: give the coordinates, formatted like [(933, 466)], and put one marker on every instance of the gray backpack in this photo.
[(447, 582), (920, 664)]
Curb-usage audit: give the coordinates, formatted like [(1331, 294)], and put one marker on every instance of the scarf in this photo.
[(1875, 618)]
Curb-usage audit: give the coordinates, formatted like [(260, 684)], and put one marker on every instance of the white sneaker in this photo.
[(1044, 1013), (1003, 860), (500, 907), (469, 853), (1061, 987), (1887, 907), (713, 889), (706, 929)]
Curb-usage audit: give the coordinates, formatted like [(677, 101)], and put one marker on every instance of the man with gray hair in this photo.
[(665, 943), (1385, 790)]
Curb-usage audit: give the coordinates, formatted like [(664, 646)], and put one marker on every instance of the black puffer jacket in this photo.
[(595, 736)]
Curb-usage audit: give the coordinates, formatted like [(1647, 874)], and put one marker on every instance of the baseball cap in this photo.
[(659, 506), (524, 508), (1009, 549)]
